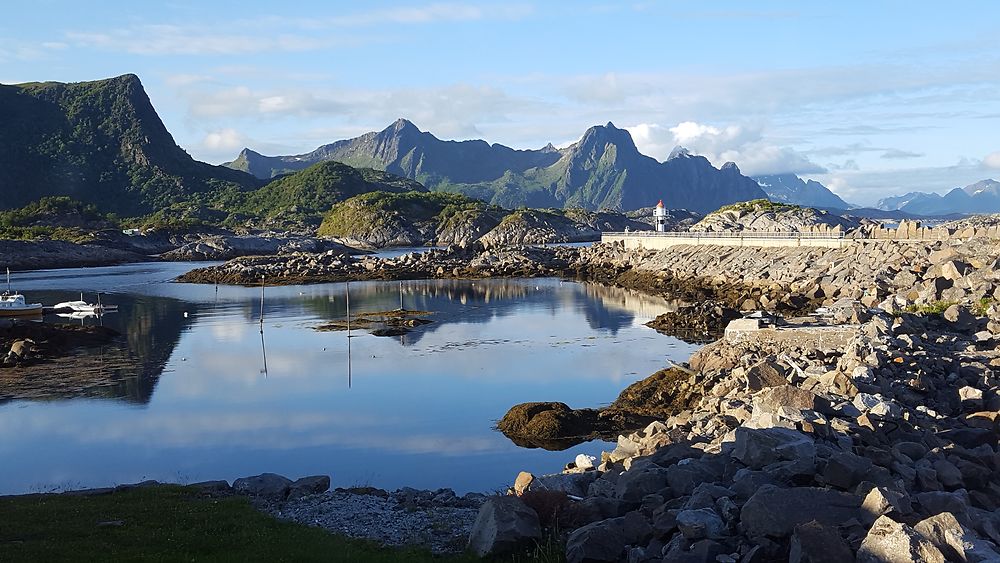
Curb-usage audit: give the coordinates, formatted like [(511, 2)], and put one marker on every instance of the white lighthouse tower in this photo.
[(660, 215)]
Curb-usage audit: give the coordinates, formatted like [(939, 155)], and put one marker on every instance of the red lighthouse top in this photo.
[(660, 204)]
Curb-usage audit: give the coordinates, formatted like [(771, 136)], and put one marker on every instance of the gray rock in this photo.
[(639, 482), (773, 398), (889, 541), (575, 484), (882, 501), (813, 542), (504, 524), (701, 523), (599, 541), (960, 318), (844, 470), (955, 541), (759, 447), (267, 485), (765, 374), (311, 485), (775, 512)]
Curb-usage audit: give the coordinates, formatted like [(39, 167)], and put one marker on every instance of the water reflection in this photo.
[(223, 395)]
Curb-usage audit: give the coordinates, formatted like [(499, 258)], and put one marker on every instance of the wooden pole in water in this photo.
[(262, 304), (348, 293), (401, 296)]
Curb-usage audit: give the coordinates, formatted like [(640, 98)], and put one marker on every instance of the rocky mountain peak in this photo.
[(679, 152), (403, 124), (730, 167)]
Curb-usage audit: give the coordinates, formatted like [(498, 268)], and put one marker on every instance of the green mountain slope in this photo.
[(98, 142)]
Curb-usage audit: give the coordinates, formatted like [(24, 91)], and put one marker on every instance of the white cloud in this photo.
[(179, 40), (438, 12), (744, 145), (992, 160), (224, 140)]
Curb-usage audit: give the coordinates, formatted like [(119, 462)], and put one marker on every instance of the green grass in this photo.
[(932, 308), (756, 205), (168, 523), (173, 523)]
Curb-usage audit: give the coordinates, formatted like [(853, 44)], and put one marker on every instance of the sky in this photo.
[(870, 98)]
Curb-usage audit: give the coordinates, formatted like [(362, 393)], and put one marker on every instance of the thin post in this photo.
[(401, 296), (348, 293), (8, 280), (262, 304)]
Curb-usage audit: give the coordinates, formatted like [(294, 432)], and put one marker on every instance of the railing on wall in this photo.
[(736, 235)]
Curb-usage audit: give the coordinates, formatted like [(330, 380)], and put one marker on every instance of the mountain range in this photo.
[(981, 197), (789, 188), (603, 170)]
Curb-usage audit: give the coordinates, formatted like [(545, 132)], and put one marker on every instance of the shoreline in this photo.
[(887, 431)]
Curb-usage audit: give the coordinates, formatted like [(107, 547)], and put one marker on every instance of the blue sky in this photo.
[(870, 98)]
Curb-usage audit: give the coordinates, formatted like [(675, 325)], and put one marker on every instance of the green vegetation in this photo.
[(305, 196), (981, 308), (756, 205), (932, 308), (57, 218), (98, 142), (375, 210), (172, 523)]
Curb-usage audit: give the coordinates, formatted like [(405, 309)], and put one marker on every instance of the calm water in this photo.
[(198, 401)]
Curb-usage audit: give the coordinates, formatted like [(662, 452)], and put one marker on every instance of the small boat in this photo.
[(82, 306), (14, 305)]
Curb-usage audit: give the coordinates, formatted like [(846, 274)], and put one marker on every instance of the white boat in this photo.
[(82, 306), (14, 305)]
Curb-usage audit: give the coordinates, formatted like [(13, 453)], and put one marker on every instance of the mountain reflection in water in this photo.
[(221, 400)]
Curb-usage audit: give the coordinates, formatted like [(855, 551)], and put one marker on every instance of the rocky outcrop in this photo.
[(45, 254), (533, 226), (224, 247), (773, 217), (453, 262)]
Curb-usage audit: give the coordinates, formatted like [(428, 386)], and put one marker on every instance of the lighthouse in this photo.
[(660, 216)]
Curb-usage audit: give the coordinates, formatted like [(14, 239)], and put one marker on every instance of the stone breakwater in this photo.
[(878, 443), (872, 272), (453, 262)]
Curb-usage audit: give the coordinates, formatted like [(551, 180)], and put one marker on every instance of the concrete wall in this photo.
[(821, 236), (634, 241)]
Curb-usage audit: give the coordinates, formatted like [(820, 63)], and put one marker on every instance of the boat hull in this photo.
[(29, 311)]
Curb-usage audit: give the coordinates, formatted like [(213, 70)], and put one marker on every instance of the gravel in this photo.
[(436, 520)]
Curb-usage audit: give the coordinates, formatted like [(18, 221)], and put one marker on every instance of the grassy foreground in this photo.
[(170, 523)]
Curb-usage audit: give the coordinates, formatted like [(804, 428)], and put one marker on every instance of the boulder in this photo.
[(575, 484), (759, 447), (700, 524), (599, 541), (523, 482), (641, 481), (959, 318), (765, 374), (955, 541), (773, 398), (889, 541), (311, 485), (503, 525), (881, 501), (813, 542), (773, 511), (266, 485), (844, 470), (549, 425)]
